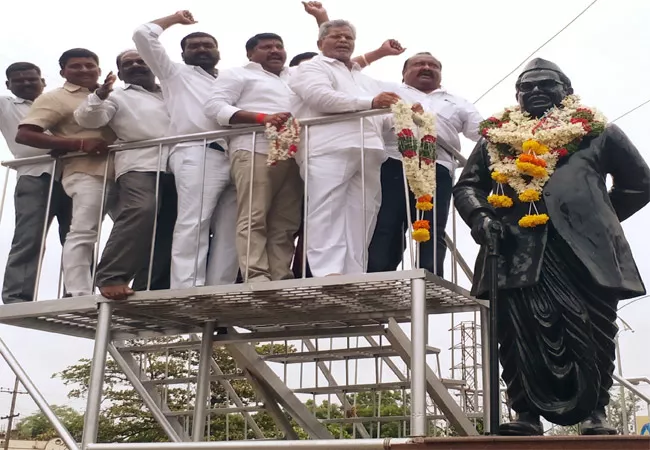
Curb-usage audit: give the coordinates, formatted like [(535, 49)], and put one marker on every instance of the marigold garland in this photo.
[(418, 159), (524, 151), (283, 142)]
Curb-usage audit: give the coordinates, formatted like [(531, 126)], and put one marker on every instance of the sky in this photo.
[(604, 52)]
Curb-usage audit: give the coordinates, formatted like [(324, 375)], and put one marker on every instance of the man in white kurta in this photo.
[(454, 115), (337, 224), (202, 206), (258, 94), (135, 112)]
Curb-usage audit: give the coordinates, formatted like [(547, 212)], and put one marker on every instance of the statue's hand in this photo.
[(486, 229)]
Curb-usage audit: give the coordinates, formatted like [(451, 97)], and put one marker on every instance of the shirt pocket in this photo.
[(449, 112)]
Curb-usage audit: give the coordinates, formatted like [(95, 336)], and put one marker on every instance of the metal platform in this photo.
[(341, 301)]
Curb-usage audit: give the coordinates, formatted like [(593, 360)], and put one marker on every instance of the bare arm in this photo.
[(45, 114), (35, 136), (390, 47)]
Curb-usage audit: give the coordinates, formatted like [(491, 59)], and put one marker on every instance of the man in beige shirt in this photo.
[(83, 177)]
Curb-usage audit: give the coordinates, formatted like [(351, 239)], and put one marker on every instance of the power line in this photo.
[(632, 110), (4, 390), (536, 50)]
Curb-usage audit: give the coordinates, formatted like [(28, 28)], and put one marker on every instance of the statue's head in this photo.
[(541, 86)]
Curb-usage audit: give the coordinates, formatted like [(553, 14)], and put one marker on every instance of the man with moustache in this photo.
[(564, 261), (198, 169), (135, 112), (421, 85), (83, 177), (31, 195), (332, 83), (258, 93)]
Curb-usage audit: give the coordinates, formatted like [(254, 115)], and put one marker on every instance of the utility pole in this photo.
[(10, 417)]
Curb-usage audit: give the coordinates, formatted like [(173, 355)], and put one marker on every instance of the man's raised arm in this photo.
[(146, 38), (97, 109), (390, 47)]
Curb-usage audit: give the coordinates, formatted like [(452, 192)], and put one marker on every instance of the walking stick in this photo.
[(495, 394)]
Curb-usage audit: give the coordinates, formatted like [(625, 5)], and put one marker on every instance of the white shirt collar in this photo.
[(440, 90), (355, 66)]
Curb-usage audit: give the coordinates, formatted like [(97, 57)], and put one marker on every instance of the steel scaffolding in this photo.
[(333, 323)]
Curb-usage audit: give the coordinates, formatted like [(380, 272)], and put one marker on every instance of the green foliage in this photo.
[(36, 427), (124, 418)]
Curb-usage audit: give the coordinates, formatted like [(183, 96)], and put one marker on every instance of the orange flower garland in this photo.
[(524, 151)]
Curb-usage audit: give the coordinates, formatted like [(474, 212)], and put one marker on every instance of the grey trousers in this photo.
[(30, 200), (127, 252)]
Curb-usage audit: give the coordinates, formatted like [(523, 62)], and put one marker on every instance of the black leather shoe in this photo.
[(526, 424), (596, 424)]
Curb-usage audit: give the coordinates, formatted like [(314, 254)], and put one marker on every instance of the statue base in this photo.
[(531, 443)]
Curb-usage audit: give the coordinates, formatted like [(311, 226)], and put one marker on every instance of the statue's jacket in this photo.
[(581, 209)]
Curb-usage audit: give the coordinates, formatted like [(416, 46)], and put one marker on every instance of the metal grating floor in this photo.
[(335, 301)]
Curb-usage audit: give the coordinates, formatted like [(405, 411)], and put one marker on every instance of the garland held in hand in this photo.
[(524, 151), (418, 159), (284, 142)]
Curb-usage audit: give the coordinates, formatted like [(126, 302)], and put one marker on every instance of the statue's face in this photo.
[(540, 90)]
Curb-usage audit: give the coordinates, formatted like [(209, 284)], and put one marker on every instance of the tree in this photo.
[(124, 418), (36, 427), (615, 410)]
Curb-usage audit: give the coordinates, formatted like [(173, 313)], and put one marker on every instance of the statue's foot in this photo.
[(596, 424), (526, 424)]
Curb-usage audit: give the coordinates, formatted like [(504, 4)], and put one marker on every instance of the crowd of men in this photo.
[(195, 195)]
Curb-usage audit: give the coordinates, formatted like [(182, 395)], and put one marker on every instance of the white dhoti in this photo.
[(196, 219), (335, 218)]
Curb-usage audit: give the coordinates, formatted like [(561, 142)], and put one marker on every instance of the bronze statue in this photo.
[(537, 179)]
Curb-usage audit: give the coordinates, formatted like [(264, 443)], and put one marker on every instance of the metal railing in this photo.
[(207, 137)]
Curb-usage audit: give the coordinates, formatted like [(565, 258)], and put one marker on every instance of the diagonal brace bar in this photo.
[(38, 398)]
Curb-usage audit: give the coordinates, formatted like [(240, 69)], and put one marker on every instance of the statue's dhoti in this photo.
[(556, 339)]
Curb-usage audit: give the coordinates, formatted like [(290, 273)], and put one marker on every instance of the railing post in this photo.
[(203, 383), (41, 250), (419, 329), (97, 373)]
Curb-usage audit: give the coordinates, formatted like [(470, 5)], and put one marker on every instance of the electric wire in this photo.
[(536, 50)]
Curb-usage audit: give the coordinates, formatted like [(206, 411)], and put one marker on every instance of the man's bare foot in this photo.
[(117, 292)]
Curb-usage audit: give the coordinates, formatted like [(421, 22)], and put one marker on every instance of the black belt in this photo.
[(216, 146)]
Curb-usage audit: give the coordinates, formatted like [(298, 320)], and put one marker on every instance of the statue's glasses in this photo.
[(543, 85)]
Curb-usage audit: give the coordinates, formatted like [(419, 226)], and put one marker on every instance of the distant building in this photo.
[(52, 444)]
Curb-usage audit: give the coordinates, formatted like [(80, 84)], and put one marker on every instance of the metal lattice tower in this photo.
[(467, 350)]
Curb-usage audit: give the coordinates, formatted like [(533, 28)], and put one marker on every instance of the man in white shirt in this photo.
[(135, 112), (422, 76), (212, 203), (32, 188), (258, 94), (332, 83)]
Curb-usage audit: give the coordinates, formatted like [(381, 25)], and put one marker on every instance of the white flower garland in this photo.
[(283, 143), (553, 132), (524, 151), (419, 166), (416, 141)]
